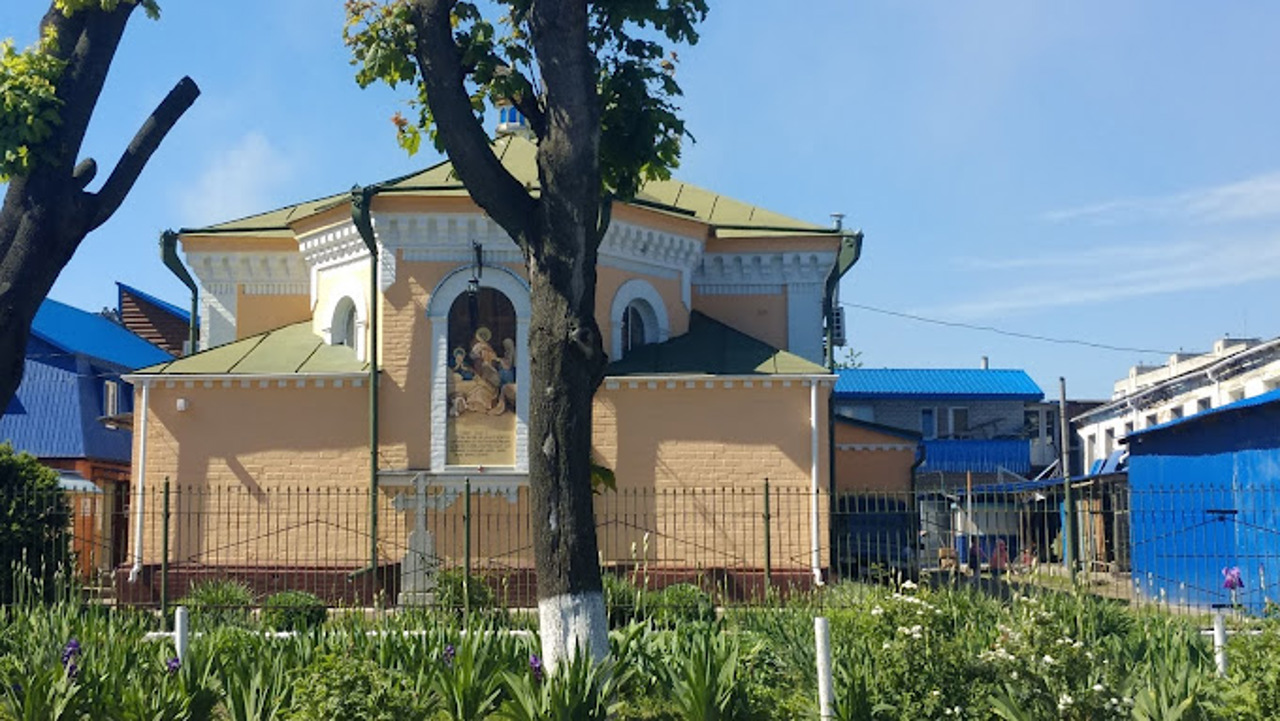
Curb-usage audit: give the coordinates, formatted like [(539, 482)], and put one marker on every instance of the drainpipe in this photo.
[(815, 552), (169, 254), (360, 215), (139, 483), (850, 251)]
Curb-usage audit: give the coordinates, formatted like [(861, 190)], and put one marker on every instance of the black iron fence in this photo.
[(1183, 547)]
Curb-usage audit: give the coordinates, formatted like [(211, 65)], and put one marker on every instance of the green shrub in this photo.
[(450, 595), (293, 611), (35, 517), (624, 601), (353, 689), (682, 602), (218, 602)]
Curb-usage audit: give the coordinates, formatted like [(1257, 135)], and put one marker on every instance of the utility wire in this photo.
[(1001, 331)]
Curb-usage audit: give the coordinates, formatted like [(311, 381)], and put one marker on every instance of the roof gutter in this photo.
[(850, 252), (169, 255)]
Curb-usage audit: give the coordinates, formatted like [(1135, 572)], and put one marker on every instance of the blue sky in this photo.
[(1099, 171)]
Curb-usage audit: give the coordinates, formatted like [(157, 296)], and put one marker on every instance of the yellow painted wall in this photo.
[(692, 462), (260, 313), (261, 474), (763, 317)]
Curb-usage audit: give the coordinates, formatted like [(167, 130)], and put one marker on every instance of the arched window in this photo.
[(344, 323), (638, 317), (634, 326)]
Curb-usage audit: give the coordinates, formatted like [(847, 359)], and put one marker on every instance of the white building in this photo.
[(1235, 369)]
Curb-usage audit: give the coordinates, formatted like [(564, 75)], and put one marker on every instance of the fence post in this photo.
[(164, 558), (466, 550), (181, 637), (822, 650), (768, 544), (1220, 642)]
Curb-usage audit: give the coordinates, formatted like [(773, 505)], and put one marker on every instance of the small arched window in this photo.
[(638, 325), (344, 323)]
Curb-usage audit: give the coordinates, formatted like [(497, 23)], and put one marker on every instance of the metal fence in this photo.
[(1183, 547)]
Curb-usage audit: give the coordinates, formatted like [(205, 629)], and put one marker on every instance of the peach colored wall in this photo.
[(258, 313), (236, 449), (872, 470), (727, 439), (763, 317)]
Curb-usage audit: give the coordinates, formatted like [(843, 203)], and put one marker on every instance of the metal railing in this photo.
[(1191, 548)]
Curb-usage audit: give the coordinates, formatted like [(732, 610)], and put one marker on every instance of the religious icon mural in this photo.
[(482, 380)]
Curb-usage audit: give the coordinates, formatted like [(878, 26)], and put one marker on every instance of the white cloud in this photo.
[(1124, 272), (238, 181), (1249, 199)]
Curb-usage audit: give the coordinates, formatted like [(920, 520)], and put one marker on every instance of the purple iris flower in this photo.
[(70, 651), (535, 667), (172, 665), (448, 655), (1231, 579)]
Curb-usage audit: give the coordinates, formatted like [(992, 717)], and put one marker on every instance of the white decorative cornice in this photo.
[(258, 268), (875, 447), (638, 244), (332, 246), (768, 269)]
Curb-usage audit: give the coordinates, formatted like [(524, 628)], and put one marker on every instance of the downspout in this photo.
[(169, 254), (849, 253), (360, 215), (139, 483), (815, 549)]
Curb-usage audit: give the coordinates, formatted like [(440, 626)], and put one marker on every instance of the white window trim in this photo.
[(441, 300), (357, 296), (632, 290)]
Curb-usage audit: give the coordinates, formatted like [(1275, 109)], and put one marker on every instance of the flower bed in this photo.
[(906, 654)]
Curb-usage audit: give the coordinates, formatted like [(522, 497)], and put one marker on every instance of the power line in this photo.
[(1010, 333)]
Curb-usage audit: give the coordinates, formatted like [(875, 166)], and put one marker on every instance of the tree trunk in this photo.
[(47, 212)]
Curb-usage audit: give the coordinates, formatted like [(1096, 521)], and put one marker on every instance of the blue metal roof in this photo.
[(1259, 400), (972, 383), (77, 331), (978, 456), (184, 315)]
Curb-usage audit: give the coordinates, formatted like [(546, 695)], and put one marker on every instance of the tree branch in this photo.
[(489, 184), (129, 167)]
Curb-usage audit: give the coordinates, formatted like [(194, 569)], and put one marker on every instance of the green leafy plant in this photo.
[(469, 681), (451, 593), (293, 611), (682, 603), (219, 602), (353, 689), (34, 515), (704, 674), (578, 690)]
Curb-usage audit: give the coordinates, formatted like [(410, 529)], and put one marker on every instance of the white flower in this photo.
[(1047, 659), (909, 586), (877, 611), (1064, 702), (1097, 687)]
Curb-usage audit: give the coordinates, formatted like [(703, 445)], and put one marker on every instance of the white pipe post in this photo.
[(1220, 642), (814, 538), (822, 644), (180, 632), (139, 484)]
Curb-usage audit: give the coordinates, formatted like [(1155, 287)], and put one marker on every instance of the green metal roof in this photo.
[(712, 348), (731, 218), (293, 349)]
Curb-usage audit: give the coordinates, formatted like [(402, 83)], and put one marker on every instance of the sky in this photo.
[(1096, 172)]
